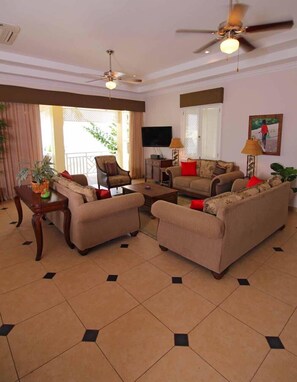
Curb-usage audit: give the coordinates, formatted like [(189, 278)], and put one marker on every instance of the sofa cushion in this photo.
[(111, 168), (254, 181), (183, 181), (88, 192), (227, 165), (218, 170), (212, 205), (188, 168), (197, 204), (247, 192), (206, 168), (201, 185)]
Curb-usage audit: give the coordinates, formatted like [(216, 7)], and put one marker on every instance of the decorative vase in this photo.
[(39, 188)]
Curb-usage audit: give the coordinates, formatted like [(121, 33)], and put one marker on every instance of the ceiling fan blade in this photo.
[(206, 46), (270, 27), (245, 44), (100, 78), (129, 79), (237, 14), (194, 31)]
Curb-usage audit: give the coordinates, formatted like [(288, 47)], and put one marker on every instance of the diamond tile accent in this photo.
[(124, 245), (13, 222), (5, 208), (5, 329), (278, 249), (243, 281), (181, 339), (49, 275), (90, 335), (275, 343), (27, 242), (50, 223), (112, 278), (177, 280)]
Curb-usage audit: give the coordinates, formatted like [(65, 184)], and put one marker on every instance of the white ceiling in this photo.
[(62, 44)]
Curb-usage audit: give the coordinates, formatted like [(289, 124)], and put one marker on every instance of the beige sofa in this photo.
[(215, 242), (204, 184), (95, 222)]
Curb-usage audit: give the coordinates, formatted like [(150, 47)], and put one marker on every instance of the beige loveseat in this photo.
[(96, 221), (205, 183), (215, 242)]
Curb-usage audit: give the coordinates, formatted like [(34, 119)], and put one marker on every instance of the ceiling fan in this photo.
[(231, 32), (110, 77)]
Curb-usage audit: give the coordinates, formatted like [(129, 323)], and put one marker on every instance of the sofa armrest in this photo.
[(225, 181), (172, 172), (239, 184), (99, 209), (81, 179), (195, 221)]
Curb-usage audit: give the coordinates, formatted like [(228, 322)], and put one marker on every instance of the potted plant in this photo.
[(41, 174), (286, 173)]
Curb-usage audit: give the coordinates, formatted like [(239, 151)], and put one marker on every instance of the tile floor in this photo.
[(134, 313)]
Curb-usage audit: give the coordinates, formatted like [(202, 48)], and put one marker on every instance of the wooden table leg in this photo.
[(36, 223), (18, 205), (67, 219)]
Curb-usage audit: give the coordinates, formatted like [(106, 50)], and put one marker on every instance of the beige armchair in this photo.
[(109, 173)]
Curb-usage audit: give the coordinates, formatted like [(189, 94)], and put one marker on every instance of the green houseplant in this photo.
[(286, 173), (41, 174)]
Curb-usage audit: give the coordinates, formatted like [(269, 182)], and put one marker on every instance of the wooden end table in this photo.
[(39, 207)]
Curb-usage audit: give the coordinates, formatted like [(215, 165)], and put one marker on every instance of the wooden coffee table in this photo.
[(152, 192)]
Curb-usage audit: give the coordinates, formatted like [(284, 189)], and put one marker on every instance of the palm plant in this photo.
[(42, 170), (286, 173)]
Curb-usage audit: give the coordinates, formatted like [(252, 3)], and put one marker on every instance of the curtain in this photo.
[(23, 145), (136, 160)]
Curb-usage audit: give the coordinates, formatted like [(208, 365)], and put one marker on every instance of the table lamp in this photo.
[(175, 145), (252, 149)]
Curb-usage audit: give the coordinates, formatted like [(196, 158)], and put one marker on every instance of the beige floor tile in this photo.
[(243, 267), (116, 260), (134, 342), (173, 264), (29, 300), (41, 338), (83, 363), (202, 281), (79, 278), (258, 310), (16, 255), (11, 240), (261, 252), (101, 305), (278, 284), (7, 369), (144, 281), (179, 308), (289, 334), (231, 347), (279, 366), (181, 364), (145, 246), (284, 262), (20, 274), (60, 258), (290, 246)]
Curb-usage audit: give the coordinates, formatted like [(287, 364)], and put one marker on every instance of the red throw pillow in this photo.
[(254, 181), (103, 194), (197, 204), (189, 168), (66, 175)]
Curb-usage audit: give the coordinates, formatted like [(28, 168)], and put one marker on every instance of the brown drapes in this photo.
[(136, 160), (23, 145)]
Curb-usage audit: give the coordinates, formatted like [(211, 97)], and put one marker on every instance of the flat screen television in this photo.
[(156, 136)]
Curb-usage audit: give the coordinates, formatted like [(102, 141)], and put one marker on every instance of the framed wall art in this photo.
[(267, 130)]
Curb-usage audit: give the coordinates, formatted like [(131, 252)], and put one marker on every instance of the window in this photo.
[(201, 127)]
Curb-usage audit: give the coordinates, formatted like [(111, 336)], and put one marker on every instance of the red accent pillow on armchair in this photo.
[(197, 204), (66, 175), (189, 168), (254, 181)]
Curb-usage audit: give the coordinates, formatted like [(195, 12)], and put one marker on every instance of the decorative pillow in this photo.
[(188, 168), (111, 168), (88, 192), (247, 192), (218, 170), (227, 165), (254, 181), (198, 164), (197, 204), (66, 175), (207, 167), (274, 181), (263, 187), (211, 205), (102, 194)]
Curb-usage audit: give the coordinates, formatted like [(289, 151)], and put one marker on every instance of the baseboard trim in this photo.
[(293, 209)]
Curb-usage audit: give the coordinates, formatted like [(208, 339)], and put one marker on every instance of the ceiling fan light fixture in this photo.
[(111, 85), (229, 45)]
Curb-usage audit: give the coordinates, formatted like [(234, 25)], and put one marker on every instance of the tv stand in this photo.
[(153, 169)]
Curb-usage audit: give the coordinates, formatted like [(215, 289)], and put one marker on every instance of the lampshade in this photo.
[(176, 143), (229, 45), (252, 147), (110, 85)]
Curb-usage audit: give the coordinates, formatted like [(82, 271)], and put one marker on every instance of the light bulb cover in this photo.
[(110, 85), (229, 45)]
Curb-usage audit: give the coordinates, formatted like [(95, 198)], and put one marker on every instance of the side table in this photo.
[(39, 207)]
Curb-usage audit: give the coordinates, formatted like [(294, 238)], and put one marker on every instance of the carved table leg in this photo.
[(36, 223), (18, 205), (67, 219)]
